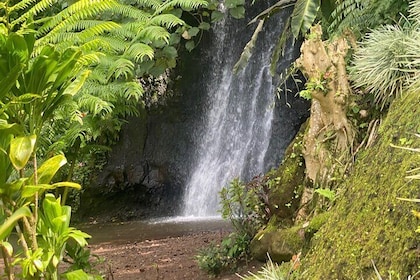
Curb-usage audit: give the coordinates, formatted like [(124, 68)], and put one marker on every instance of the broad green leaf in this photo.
[(30, 190), (303, 16), (237, 12), (79, 236), (234, 3), (193, 31), (8, 225), (10, 80), (216, 16), (190, 45), (48, 169), (77, 84), (204, 25), (52, 209), (170, 52), (21, 149), (76, 275)]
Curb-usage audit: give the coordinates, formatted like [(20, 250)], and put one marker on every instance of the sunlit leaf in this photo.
[(21, 149)]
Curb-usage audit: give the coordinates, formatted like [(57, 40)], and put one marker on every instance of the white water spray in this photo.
[(236, 128)]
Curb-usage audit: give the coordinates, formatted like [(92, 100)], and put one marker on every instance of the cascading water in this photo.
[(237, 125)]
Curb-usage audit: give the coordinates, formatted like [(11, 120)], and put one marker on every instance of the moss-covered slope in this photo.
[(368, 223)]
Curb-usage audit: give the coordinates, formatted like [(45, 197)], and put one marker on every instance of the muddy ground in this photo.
[(169, 258)]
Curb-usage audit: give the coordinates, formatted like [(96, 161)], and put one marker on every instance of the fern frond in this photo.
[(166, 20), (343, 12), (139, 51), (89, 59), (78, 11), (186, 4), (154, 33), (121, 68), (127, 31), (153, 4), (94, 104), (132, 90), (100, 28), (128, 11), (32, 12), (22, 6), (85, 24)]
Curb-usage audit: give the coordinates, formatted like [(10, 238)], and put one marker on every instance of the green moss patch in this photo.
[(368, 223)]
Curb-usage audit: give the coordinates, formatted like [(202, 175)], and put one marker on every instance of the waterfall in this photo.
[(235, 132)]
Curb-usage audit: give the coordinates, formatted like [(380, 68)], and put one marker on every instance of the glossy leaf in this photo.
[(48, 169), (8, 225), (21, 149), (68, 185), (30, 190)]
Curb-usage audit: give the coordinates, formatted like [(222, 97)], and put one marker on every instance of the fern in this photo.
[(360, 16), (167, 20), (154, 33), (186, 4), (139, 52)]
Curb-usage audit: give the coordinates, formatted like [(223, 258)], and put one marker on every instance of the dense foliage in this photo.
[(70, 73)]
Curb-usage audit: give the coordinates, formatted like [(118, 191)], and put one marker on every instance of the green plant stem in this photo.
[(69, 176), (22, 237), (7, 267), (35, 216)]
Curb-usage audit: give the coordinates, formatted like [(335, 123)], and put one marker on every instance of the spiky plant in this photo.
[(388, 62)]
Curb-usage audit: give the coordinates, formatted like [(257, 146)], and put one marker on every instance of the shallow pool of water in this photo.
[(136, 231)]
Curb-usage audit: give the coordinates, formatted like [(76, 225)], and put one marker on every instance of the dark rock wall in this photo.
[(147, 170)]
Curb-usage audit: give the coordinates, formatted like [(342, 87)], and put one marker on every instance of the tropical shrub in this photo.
[(245, 206), (217, 258)]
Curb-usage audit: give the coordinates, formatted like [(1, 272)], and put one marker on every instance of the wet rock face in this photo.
[(147, 170)]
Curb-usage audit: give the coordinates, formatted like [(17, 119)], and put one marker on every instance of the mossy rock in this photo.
[(284, 196), (369, 224), (280, 244)]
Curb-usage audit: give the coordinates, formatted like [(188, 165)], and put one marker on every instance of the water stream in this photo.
[(236, 128)]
